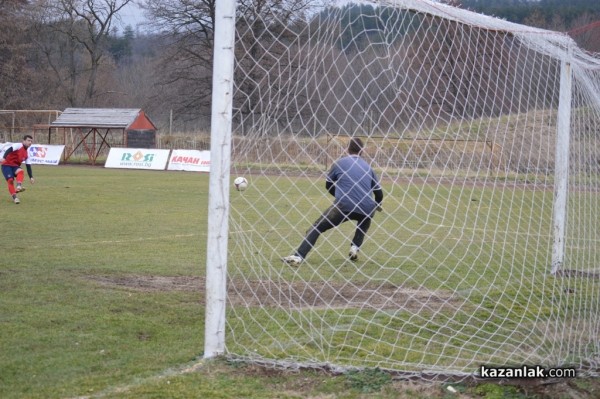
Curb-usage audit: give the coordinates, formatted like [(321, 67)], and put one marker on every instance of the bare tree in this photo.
[(14, 73), (270, 41), (186, 28), (73, 42), (189, 28)]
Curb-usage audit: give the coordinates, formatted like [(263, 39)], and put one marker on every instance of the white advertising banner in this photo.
[(190, 160), (137, 158), (40, 154)]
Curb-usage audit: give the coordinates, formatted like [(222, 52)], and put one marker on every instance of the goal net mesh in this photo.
[(459, 114)]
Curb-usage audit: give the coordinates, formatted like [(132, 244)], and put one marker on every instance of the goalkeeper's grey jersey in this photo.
[(354, 183)]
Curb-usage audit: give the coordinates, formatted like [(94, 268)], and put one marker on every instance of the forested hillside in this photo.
[(543, 13)]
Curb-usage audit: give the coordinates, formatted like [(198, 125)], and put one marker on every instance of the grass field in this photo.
[(101, 295), (63, 332)]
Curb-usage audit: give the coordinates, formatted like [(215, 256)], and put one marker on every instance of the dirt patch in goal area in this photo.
[(321, 295)]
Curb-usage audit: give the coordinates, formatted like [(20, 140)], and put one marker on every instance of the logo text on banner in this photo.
[(190, 160), (137, 158), (45, 154)]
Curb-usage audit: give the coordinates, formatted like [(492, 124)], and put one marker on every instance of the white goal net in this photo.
[(486, 138)]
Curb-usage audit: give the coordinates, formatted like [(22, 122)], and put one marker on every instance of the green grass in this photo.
[(485, 250), (62, 333), (101, 284)]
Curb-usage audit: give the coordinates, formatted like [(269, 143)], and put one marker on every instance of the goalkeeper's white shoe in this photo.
[(353, 253), (292, 260)]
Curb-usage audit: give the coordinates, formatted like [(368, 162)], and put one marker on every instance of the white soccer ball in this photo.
[(240, 183)]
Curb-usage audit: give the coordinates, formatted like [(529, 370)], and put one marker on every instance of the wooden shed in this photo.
[(98, 129)]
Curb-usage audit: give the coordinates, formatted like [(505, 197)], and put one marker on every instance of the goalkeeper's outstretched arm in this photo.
[(330, 186), (378, 198)]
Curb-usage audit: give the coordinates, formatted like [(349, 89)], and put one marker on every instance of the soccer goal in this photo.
[(486, 137)]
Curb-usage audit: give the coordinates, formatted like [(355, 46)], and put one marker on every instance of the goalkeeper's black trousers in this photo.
[(331, 218)]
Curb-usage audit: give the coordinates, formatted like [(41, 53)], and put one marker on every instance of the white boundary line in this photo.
[(141, 239), (170, 372)]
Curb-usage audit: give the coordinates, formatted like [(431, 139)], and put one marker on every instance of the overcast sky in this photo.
[(132, 15)]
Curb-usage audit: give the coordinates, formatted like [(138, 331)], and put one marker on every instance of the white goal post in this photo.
[(485, 135), (218, 205)]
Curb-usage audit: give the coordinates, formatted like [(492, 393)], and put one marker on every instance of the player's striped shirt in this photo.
[(15, 155)]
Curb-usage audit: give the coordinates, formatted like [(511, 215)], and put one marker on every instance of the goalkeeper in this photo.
[(353, 183)]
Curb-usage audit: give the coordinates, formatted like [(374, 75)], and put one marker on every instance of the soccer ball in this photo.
[(240, 183)]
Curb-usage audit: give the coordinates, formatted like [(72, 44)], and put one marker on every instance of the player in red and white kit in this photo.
[(11, 162)]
